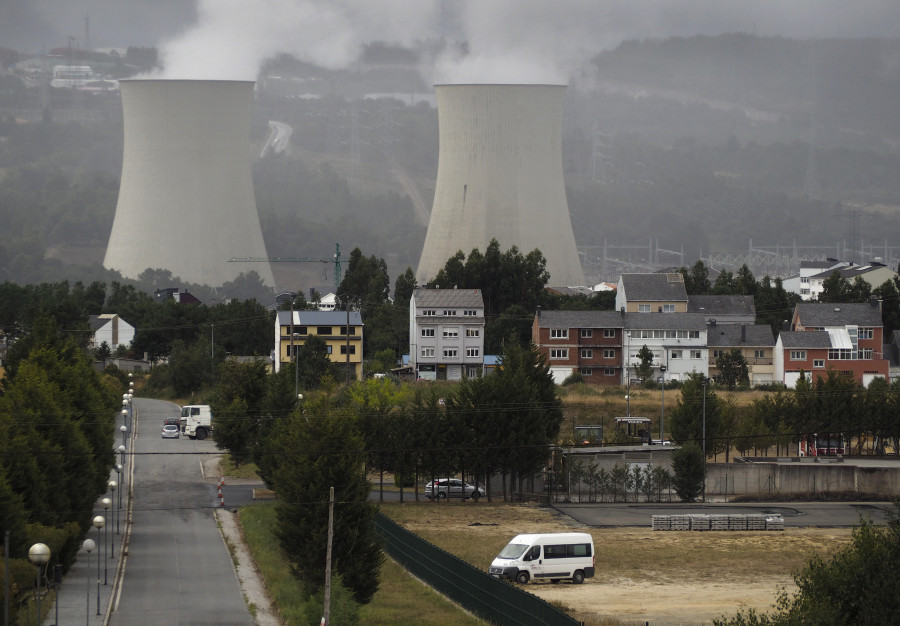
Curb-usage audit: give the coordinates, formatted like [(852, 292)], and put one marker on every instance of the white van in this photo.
[(552, 557)]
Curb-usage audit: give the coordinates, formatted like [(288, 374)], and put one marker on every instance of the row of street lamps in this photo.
[(39, 553)]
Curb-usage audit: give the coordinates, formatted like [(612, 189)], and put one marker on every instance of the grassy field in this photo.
[(401, 599), (641, 574)]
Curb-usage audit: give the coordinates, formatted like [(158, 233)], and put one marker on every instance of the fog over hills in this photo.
[(676, 136)]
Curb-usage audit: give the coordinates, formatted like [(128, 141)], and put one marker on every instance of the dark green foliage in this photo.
[(733, 369), (326, 450), (858, 585), (686, 421), (644, 369), (689, 469)]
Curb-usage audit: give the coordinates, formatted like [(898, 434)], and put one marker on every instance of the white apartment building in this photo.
[(446, 333)]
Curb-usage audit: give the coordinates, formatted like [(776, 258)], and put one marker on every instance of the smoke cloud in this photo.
[(500, 41)]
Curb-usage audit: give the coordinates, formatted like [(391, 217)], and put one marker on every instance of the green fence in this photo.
[(475, 590)]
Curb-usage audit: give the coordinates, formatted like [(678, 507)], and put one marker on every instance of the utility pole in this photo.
[(705, 380), (327, 613), (347, 348)]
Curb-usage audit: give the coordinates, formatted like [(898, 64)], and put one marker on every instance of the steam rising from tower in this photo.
[(186, 201), (500, 177)]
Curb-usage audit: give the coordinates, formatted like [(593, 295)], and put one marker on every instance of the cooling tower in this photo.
[(186, 200), (500, 177)]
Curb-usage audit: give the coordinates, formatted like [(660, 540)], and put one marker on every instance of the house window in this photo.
[(451, 353), (327, 350), (866, 333), (344, 349), (675, 354), (298, 330), (473, 332), (559, 333), (609, 354), (643, 308), (718, 353), (451, 332), (559, 353), (804, 279), (668, 308), (428, 312), (608, 371), (798, 355), (473, 352), (609, 333), (820, 363), (695, 354), (587, 354), (450, 312), (840, 354), (344, 330), (759, 354), (586, 371), (323, 330), (867, 354), (428, 332), (428, 352), (470, 312), (693, 334), (587, 333), (472, 371)]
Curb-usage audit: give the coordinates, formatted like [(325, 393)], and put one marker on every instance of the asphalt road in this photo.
[(178, 569)]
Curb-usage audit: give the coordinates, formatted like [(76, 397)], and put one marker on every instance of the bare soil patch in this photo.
[(642, 575)]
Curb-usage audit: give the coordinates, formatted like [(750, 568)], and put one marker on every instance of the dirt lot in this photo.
[(642, 575)]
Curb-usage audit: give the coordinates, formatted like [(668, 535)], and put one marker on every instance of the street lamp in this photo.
[(105, 503), (99, 522), (705, 381), (39, 554), (112, 487), (88, 546), (662, 407), (124, 430)]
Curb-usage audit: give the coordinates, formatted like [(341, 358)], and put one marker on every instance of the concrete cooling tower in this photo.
[(500, 177), (186, 201)]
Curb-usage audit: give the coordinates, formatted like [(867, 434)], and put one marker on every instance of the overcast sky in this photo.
[(507, 39)]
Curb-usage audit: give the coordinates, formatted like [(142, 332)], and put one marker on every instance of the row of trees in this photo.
[(57, 418), (868, 417), (504, 423)]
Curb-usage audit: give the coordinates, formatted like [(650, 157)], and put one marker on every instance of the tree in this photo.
[(859, 584), (687, 419), (324, 448), (644, 369), (689, 468), (733, 369), (696, 281), (835, 288)]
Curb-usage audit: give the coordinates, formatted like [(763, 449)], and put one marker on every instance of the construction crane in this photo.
[(336, 259)]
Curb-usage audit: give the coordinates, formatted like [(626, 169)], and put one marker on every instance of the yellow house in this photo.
[(293, 328), (651, 293)]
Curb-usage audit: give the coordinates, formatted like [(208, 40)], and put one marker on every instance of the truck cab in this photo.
[(196, 421)]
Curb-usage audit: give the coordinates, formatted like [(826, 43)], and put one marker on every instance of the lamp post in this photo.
[(99, 522), (38, 554), (662, 407), (88, 546), (705, 381), (112, 487), (124, 430), (105, 503)]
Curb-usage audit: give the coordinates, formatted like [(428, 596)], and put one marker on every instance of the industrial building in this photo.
[(500, 177), (186, 201)]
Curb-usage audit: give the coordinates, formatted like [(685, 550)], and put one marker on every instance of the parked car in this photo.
[(170, 431), (452, 486)]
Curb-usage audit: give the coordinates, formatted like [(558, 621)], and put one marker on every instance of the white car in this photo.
[(454, 487), (170, 431)]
